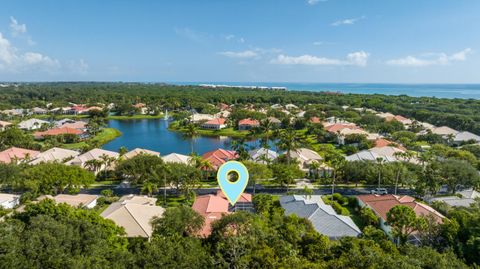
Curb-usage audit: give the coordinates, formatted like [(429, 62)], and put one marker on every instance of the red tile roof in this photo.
[(249, 121), (216, 122), (382, 142), (58, 131), (334, 128), (219, 157), (213, 207), (315, 120), (12, 153), (381, 204)]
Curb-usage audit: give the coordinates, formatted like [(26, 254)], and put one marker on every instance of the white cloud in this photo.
[(229, 37), (314, 2), (12, 60), (240, 54), (358, 58), (429, 59), (234, 38), (349, 21), (17, 28)]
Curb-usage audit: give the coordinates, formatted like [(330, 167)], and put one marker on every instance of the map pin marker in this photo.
[(232, 190)]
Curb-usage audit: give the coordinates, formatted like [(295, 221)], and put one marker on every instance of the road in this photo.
[(277, 191)]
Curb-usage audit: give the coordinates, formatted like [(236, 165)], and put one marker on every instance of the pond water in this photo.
[(153, 134)]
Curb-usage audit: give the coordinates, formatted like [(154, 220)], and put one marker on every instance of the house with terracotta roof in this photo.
[(138, 151), (336, 127), (4, 125), (214, 206), (382, 142), (15, 154), (315, 120), (58, 131), (381, 204), (215, 124), (80, 125), (248, 124), (55, 155), (142, 108), (134, 214), (223, 106), (219, 156)]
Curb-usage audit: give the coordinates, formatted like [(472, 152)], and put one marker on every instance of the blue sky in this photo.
[(427, 41)]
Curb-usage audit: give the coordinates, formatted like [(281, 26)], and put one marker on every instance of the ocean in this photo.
[(464, 91)]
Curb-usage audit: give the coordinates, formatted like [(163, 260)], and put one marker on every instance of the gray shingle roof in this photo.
[(325, 220)]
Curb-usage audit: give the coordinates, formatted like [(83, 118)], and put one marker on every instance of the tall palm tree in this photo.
[(335, 163), (380, 161), (240, 147), (266, 126), (288, 141), (122, 151), (192, 133)]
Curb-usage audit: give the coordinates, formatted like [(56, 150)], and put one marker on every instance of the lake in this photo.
[(153, 134)]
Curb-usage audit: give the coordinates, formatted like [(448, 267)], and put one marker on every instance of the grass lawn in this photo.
[(230, 132), (103, 137), (136, 117), (172, 200)]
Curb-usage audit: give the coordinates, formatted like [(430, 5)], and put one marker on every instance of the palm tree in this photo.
[(107, 160), (240, 147), (191, 132), (425, 157), (93, 165), (335, 164), (380, 161), (289, 141), (266, 126), (122, 151)]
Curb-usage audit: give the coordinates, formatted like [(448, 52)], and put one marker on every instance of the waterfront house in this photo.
[(77, 200), (263, 155), (55, 155), (105, 160), (142, 108), (176, 158), (32, 124), (9, 201), (15, 154), (4, 125), (80, 125), (323, 217), (58, 131), (197, 117), (305, 157), (219, 156), (215, 124), (381, 204), (138, 151), (214, 206), (248, 124), (134, 214)]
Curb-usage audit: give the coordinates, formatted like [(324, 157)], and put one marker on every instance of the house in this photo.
[(176, 158), (444, 131), (291, 106), (315, 120), (39, 111), (95, 154), (305, 157), (336, 127), (386, 153), (78, 200), (300, 114), (14, 154), (55, 155), (9, 201), (381, 204), (80, 125), (215, 124), (323, 217), (134, 214), (214, 206), (276, 106), (223, 114), (403, 120), (223, 106), (276, 123), (60, 123), (219, 156), (141, 107), (197, 117), (382, 142), (58, 131), (463, 137), (139, 151), (4, 125), (32, 124), (248, 124), (14, 112), (468, 197), (263, 155)]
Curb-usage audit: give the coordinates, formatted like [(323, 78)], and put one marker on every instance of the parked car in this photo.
[(380, 191)]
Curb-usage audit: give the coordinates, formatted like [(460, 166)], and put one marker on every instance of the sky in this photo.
[(408, 41)]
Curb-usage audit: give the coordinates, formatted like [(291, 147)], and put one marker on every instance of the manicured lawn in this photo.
[(135, 117), (230, 132), (103, 137)]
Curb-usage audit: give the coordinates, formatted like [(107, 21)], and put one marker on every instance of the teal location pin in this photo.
[(232, 190)]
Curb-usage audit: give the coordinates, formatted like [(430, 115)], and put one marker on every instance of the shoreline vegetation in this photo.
[(103, 137)]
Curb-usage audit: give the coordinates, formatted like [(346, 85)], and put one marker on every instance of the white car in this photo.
[(380, 191)]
